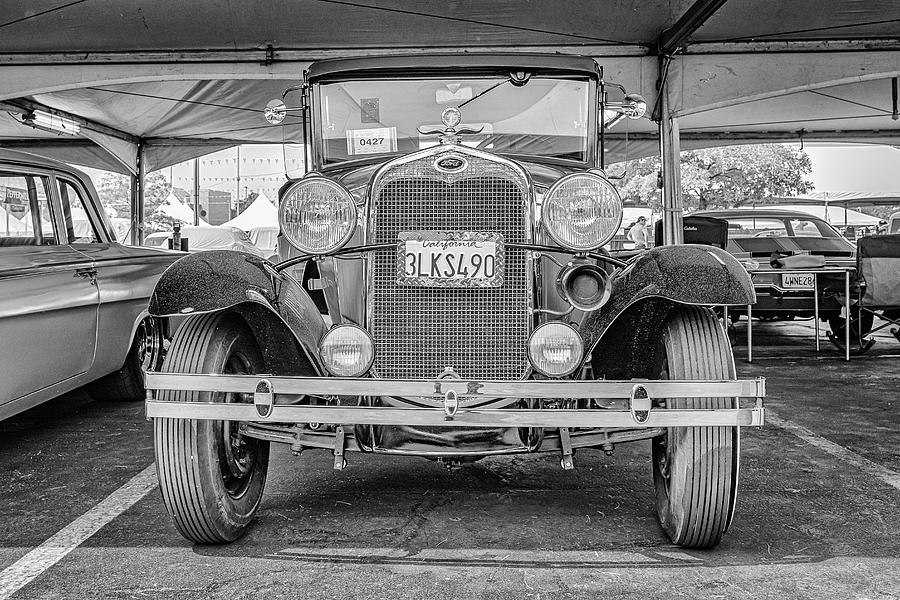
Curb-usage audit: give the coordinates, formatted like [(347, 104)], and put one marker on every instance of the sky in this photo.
[(855, 168)]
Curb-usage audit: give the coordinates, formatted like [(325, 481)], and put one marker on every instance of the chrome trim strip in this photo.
[(436, 388), (360, 415)]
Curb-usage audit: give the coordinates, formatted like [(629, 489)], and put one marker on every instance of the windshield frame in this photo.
[(592, 144)]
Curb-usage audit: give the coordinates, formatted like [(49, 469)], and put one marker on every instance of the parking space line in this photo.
[(892, 478), (27, 568)]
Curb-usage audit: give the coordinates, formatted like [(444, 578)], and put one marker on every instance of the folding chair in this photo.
[(878, 272)]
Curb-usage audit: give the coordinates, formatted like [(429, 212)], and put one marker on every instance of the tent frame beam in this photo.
[(763, 136), (258, 57), (679, 34)]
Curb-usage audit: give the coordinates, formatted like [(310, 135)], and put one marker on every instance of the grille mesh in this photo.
[(481, 333)]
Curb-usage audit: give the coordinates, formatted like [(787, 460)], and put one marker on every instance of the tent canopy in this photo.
[(176, 80), (835, 215), (847, 199)]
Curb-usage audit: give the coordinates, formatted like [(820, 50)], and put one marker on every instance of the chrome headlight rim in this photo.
[(332, 331), (554, 188), (576, 364), (348, 197)]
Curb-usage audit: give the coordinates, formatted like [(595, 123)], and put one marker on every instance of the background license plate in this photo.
[(450, 259), (797, 281)]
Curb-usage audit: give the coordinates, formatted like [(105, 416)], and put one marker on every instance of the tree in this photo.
[(114, 190), (725, 177)]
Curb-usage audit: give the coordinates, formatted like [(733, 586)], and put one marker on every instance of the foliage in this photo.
[(115, 195), (724, 177), (115, 192)]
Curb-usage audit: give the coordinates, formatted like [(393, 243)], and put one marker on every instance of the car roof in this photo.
[(763, 212), (425, 63), (34, 160)]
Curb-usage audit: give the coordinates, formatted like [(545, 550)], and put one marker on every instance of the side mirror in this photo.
[(633, 106), (275, 111)]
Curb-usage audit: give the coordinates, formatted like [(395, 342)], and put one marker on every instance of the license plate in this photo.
[(797, 281), (463, 259)]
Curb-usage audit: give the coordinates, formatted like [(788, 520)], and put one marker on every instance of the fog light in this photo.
[(555, 349), (347, 351), (584, 285)]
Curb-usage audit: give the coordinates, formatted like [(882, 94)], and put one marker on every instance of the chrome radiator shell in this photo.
[(418, 331)]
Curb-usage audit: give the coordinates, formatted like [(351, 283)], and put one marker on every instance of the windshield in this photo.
[(547, 117)]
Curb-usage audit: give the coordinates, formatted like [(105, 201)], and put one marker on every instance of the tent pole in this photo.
[(670, 159), (237, 193), (137, 198), (196, 191)]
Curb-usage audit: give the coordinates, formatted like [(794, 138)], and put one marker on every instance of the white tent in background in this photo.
[(174, 208), (839, 205), (260, 213), (835, 215)]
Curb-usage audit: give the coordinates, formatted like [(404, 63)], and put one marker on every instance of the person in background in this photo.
[(640, 234)]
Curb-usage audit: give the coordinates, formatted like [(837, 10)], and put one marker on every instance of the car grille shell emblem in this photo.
[(451, 164)]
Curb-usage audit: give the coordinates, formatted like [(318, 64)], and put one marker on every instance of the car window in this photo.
[(756, 227), (79, 227), (25, 215), (811, 228)]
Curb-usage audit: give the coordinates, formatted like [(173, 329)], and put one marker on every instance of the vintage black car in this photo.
[(447, 295)]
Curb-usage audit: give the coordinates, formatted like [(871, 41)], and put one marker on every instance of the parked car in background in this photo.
[(893, 224), (755, 235), (207, 237), (266, 239), (453, 222), (73, 301)]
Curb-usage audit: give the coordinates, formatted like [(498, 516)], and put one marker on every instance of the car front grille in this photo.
[(481, 332)]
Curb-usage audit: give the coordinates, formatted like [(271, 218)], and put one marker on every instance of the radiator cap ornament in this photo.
[(451, 117)]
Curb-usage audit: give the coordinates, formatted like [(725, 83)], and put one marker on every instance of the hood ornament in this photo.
[(451, 118)]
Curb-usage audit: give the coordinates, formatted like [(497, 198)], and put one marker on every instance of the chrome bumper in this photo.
[(450, 401)]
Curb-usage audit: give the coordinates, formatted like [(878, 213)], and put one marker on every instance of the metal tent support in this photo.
[(670, 159), (137, 198)]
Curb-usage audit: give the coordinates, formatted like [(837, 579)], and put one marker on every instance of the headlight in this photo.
[(317, 215), (347, 351), (555, 349), (582, 211)]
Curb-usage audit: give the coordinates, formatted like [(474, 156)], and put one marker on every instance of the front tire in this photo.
[(211, 478), (695, 469)]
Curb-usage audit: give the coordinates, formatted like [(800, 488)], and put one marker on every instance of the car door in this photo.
[(48, 294), (125, 275)]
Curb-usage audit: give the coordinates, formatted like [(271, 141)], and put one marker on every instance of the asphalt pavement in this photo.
[(818, 511)]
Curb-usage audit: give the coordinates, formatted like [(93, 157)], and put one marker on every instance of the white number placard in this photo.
[(379, 140)]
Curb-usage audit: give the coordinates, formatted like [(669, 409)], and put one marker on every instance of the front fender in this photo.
[(216, 280), (684, 274)]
